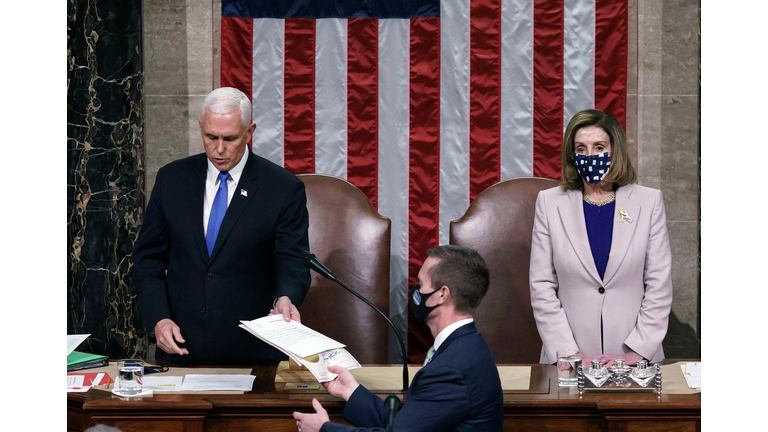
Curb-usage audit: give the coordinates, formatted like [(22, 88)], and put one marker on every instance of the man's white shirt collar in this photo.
[(212, 184), (443, 335), (213, 172)]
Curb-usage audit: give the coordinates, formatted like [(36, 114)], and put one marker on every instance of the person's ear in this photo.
[(445, 294)]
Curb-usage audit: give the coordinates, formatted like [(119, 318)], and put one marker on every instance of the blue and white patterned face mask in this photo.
[(592, 168)]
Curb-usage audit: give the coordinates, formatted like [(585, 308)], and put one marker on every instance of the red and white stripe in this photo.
[(424, 114)]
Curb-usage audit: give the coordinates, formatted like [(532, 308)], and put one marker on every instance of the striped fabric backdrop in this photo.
[(422, 104)]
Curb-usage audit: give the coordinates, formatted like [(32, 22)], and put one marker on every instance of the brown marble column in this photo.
[(105, 172)]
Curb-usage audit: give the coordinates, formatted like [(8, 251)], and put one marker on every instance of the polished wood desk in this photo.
[(543, 407)]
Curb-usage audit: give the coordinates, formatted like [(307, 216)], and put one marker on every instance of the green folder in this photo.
[(79, 360)]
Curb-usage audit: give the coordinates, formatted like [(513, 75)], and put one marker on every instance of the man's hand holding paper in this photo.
[(284, 307), (304, 345)]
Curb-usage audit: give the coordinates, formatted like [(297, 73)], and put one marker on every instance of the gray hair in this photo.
[(224, 100)]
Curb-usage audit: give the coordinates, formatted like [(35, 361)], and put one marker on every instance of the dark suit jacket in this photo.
[(459, 390), (255, 259)]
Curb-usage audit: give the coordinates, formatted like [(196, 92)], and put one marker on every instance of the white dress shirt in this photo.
[(212, 185), (443, 335)]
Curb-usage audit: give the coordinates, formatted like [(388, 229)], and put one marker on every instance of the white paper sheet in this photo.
[(217, 382), (334, 357), (162, 383), (75, 380), (292, 336), (692, 372), (73, 341), (302, 344)]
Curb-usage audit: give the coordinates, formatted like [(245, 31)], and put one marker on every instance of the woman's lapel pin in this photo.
[(624, 216)]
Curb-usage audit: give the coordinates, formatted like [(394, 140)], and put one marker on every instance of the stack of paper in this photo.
[(217, 382), (304, 345), (692, 372), (77, 360)]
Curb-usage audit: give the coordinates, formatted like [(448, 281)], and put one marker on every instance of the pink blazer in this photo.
[(565, 286)]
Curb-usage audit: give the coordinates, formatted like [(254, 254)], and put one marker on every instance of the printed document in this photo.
[(304, 345), (217, 382), (692, 372), (73, 341)]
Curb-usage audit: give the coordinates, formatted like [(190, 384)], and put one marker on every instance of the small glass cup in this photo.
[(131, 373), (568, 362)]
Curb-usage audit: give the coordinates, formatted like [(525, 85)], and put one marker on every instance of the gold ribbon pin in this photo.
[(624, 216)]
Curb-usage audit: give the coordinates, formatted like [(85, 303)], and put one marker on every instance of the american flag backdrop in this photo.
[(422, 104)]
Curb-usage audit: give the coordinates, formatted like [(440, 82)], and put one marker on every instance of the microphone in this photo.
[(392, 403), (311, 261)]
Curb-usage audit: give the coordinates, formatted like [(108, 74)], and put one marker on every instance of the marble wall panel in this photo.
[(165, 47), (632, 29), (683, 338), (179, 37), (166, 132), (680, 38), (193, 127), (679, 156), (105, 173), (199, 23), (649, 47), (684, 242), (216, 17), (680, 168), (632, 131), (649, 140), (668, 148), (631, 125)]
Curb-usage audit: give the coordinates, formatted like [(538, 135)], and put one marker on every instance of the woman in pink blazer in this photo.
[(600, 274)]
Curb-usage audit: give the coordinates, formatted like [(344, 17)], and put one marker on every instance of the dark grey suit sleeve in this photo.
[(291, 237), (150, 261)]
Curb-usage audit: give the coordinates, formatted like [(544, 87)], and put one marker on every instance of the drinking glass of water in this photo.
[(568, 362), (131, 373)]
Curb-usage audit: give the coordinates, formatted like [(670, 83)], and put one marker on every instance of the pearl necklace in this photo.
[(611, 197)]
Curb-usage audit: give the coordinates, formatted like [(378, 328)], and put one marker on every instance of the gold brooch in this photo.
[(624, 216)]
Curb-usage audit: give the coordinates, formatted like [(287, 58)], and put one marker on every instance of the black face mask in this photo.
[(419, 304)]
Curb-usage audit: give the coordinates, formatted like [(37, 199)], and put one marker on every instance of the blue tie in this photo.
[(217, 212)]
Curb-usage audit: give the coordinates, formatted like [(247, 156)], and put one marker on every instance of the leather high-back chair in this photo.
[(352, 240), (499, 225)]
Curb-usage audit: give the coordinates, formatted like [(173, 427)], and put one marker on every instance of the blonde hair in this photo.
[(621, 173)]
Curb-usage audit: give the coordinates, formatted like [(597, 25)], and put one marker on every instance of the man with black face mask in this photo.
[(458, 388)]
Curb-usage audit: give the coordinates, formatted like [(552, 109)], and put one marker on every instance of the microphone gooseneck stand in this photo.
[(392, 403), (311, 261)]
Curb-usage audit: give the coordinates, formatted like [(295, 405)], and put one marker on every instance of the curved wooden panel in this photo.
[(499, 225), (352, 240)]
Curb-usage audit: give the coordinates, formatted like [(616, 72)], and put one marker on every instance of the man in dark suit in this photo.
[(220, 243), (458, 388)]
